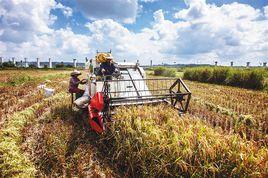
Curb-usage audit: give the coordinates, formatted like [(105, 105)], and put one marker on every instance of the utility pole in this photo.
[(25, 62), (75, 63), (1, 60), (37, 63), (14, 61), (49, 63)]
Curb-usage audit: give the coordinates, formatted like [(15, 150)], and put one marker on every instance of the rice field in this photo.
[(224, 134)]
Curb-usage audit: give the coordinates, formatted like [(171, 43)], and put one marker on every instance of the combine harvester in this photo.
[(129, 86)]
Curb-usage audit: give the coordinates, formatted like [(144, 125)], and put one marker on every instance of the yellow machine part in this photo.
[(101, 57)]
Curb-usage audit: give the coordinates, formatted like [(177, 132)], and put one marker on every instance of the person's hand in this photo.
[(83, 81)]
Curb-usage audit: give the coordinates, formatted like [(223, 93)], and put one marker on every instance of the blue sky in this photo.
[(145, 16), (182, 31)]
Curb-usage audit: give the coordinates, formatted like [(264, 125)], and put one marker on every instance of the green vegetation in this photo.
[(21, 78), (245, 78), (8, 64), (164, 71)]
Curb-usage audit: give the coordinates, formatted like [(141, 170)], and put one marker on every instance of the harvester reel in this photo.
[(146, 91)]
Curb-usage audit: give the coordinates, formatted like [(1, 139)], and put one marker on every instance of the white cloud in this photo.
[(159, 16), (265, 9), (229, 32), (197, 8), (150, 1), (108, 34), (62, 45), (2, 47), (67, 11), (25, 31), (21, 19), (118, 10)]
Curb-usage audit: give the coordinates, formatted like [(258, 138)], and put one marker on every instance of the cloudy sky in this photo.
[(189, 31)]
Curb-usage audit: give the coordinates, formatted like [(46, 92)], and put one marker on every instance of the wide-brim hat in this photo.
[(75, 72), (109, 57)]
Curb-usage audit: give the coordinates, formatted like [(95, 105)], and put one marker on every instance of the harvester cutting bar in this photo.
[(151, 97), (147, 91)]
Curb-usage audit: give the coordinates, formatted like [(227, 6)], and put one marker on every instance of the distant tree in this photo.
[(32, 66), (69, 65), (7, 64), (61, 65)]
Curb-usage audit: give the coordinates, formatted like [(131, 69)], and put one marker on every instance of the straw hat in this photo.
[(109, 57), (75, 72)]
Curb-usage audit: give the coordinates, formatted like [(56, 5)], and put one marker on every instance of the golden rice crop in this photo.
[(233, 109), (217, 138), (58, 145), (242, 101), (17, 98), (12, 161), (156, 142)]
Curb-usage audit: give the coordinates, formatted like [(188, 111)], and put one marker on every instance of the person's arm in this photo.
[(76, 81), (83, 81), (102, 68)]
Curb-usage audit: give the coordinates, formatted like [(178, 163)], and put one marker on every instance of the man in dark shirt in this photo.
[(107, 68)]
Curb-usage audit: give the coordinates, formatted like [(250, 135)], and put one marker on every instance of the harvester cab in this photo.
[(130, 86)]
